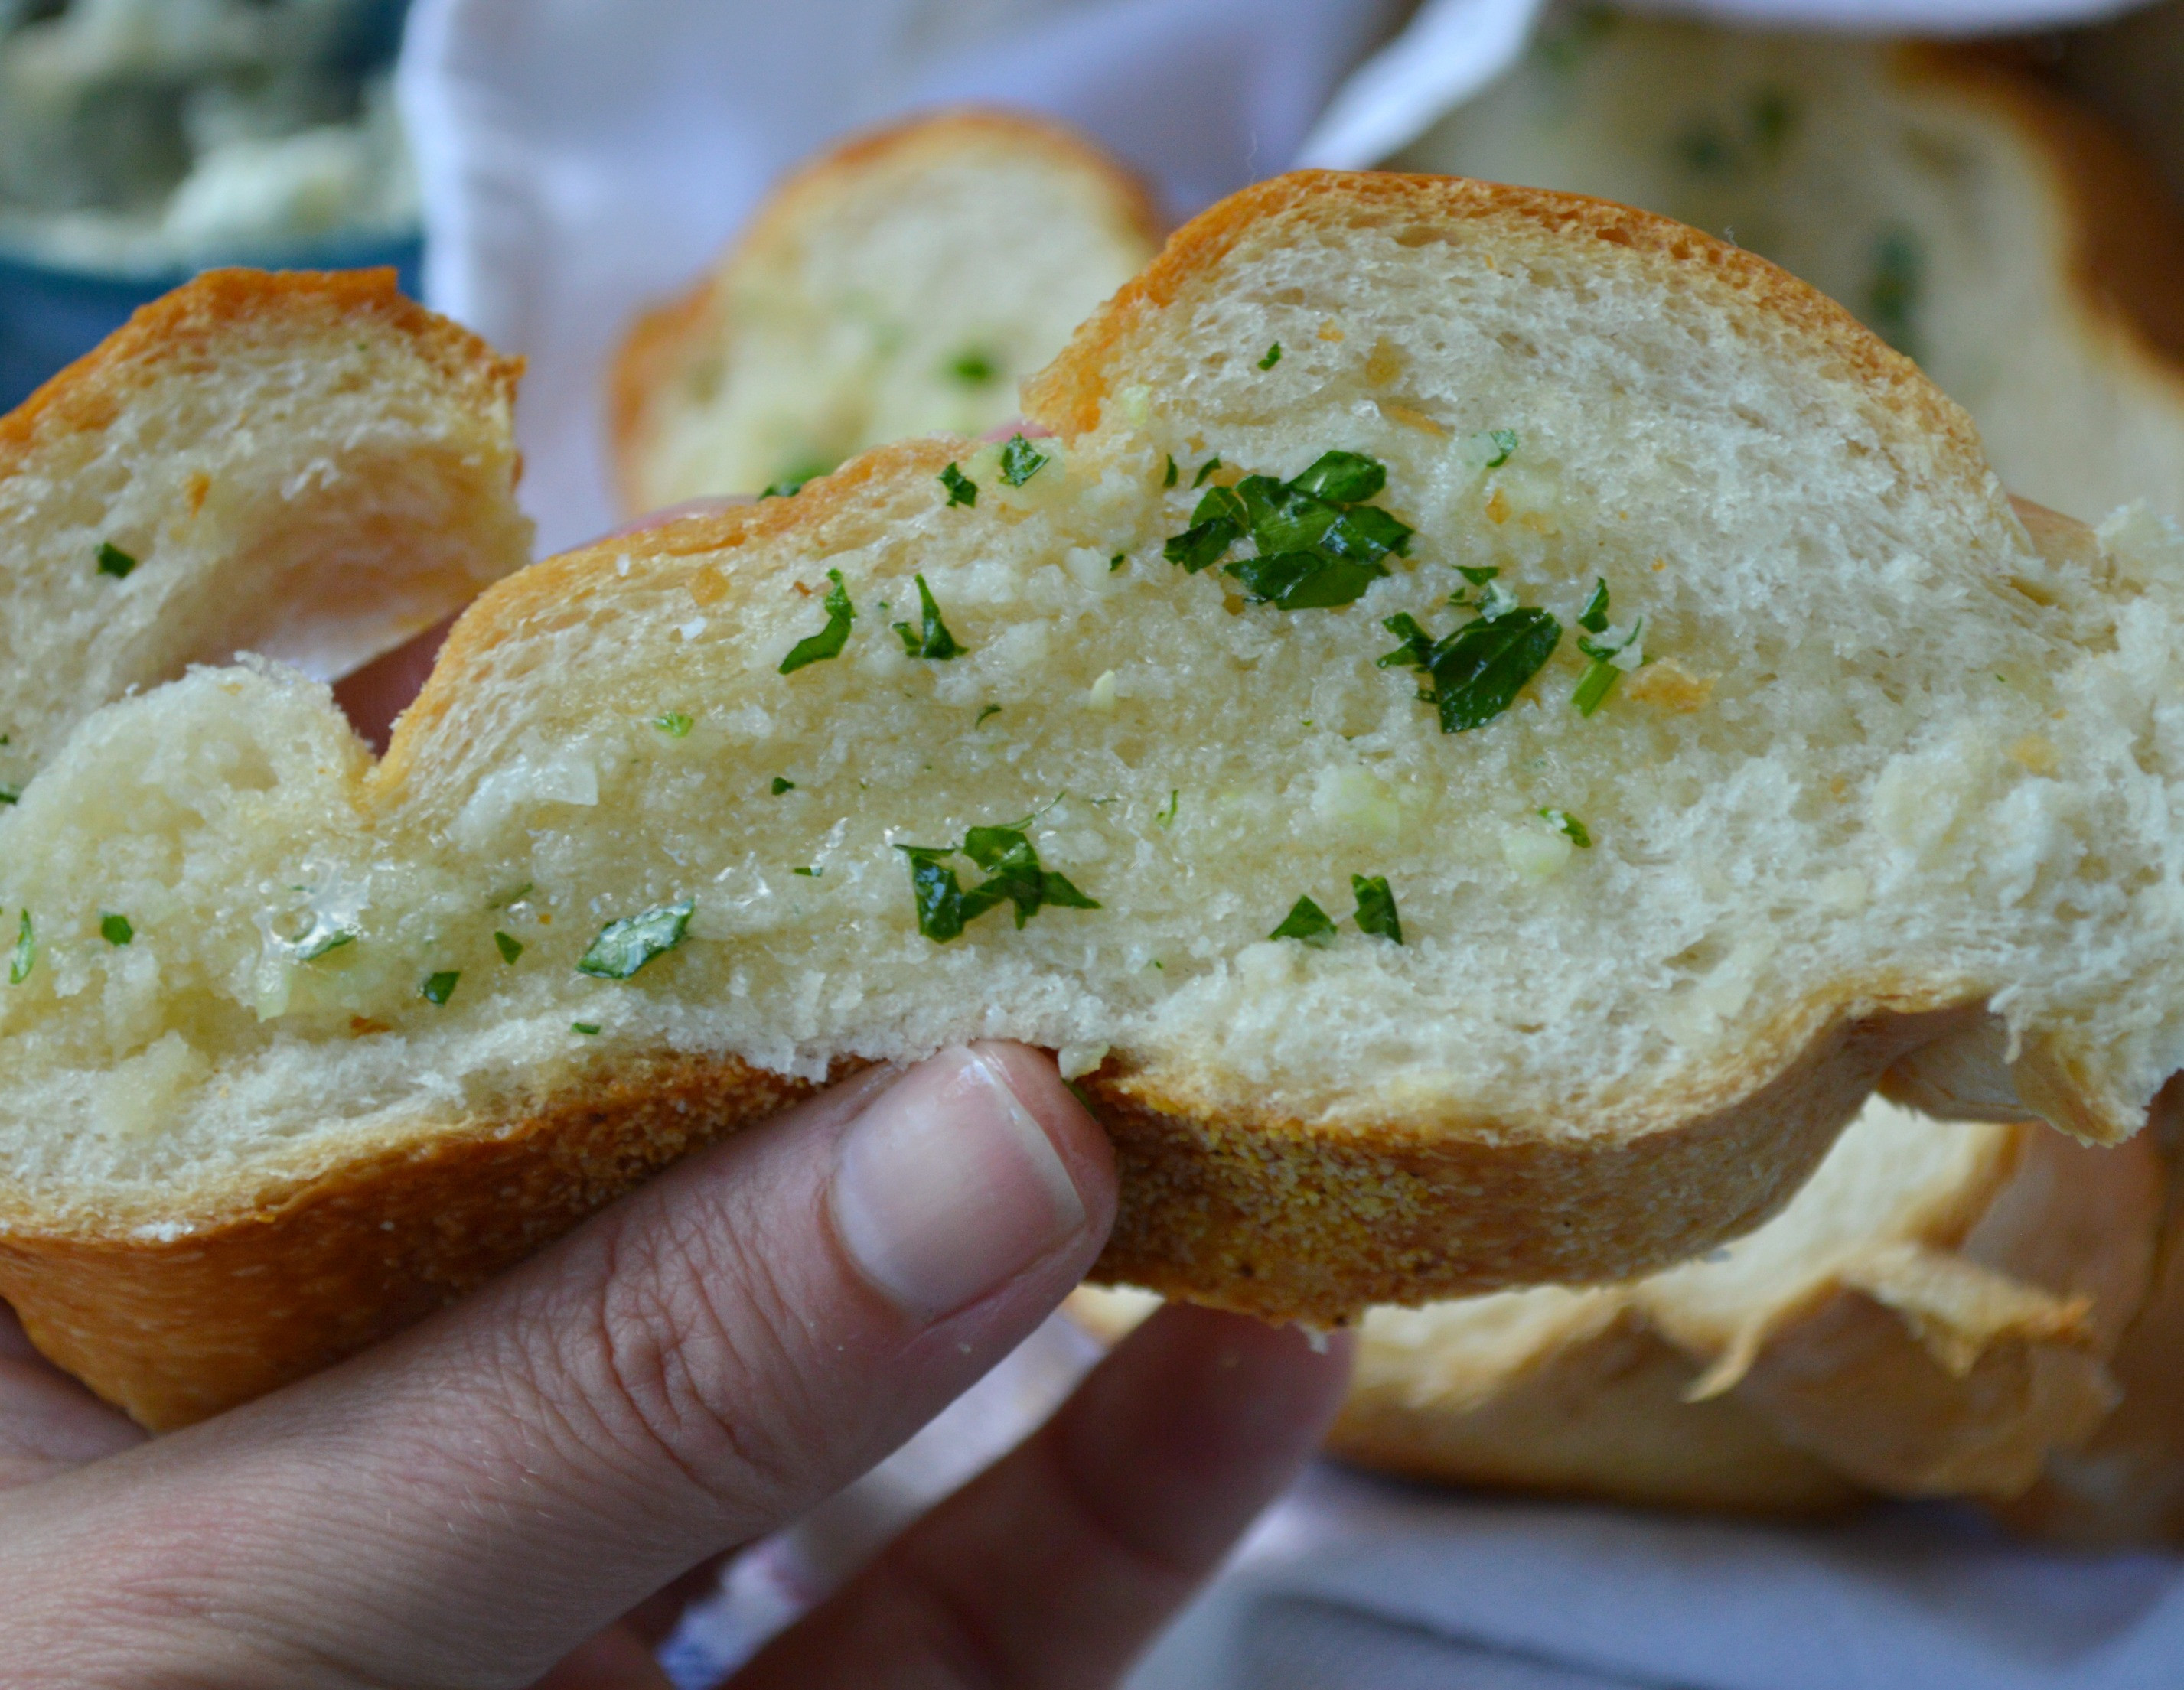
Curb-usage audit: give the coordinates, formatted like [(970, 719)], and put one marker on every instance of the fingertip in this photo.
[(1058, 1107)]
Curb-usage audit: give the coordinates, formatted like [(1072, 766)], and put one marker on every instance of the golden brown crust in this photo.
[(174, 1331), (1069, 393), (2126, 229), (1607, 1417), (88, 393), (663, 340)]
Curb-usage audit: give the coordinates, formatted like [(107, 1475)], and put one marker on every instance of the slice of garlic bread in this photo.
[(1490, 723), (304, 464), (1996, 233), (1935, 1313), (899, 285)]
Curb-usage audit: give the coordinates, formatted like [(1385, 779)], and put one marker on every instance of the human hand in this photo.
[(469, 1503)]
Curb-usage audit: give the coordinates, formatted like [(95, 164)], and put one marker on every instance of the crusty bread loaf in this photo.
[(1994, 231), (306, 465), (899, 285), (1930, 1315), (1894, 777)]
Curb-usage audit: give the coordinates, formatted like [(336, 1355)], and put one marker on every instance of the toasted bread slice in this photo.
[(1932, 1315), (306, 465), (1997, 232), (1648, 935), (899, 285)]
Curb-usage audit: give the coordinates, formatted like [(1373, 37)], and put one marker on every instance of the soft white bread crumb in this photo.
[(305, 465), (1996, 233), (1914, 772), (899, 285)]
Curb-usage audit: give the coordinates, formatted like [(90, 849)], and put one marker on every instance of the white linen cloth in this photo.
[(582, 158)]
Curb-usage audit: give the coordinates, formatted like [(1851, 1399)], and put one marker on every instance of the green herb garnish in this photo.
[(828, 641), (1606, 667), (588, 1028), (439, 987), (508, 945), (1013, 875), (624, 947), (1593, 618), (1165, 814), (1169, 480), (932, 640), (1504, 441), (989, 710), (513, 895), (116, 930), (316, 944), (1273, 358), (26, 952), (961, 489), (782, 784), (1308, 923), (674, 725), (1117, 561), (1476, 673), (114, 561), (1376, 907), (1021, 460), (1205, 469), (1318, 547), (1568, 824), (11, 795), (972, 368), (808, 872)]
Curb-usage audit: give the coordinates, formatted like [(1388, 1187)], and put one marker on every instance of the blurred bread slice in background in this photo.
[(1934, 1314), (899, 285), (1995, 231)]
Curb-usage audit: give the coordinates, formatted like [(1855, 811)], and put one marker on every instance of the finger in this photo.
[(615, 1659), (48, 1423), (694, 1366), (1055, 1568), (375, 695)]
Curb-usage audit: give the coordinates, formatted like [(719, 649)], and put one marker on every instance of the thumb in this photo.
[(693, 1367)]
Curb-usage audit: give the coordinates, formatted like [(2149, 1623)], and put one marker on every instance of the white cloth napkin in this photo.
[(582, 158)]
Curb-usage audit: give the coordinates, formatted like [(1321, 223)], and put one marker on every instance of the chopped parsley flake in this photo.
[(1566, 824), (1376, 906), (1165, 814), (1013, 875), (439, 987), (114, 561), (320, 940), (1611, 655), (1021, 460), (1593, 618), (513, 895), (808, 872), (1117, 561), (508, 945), (1476, 576), (1504, 443), (116, 930), (11, 795), (1476, 672), (1205, 469), (674, 725), (990, 710), (828, 641), (588, 1028), (972, 368), (961, 489), (624, 947), (1169, 480), (26, 952), (1308, 923), (931, 640), (1317, 546), (782, 784), (1273, 358)]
